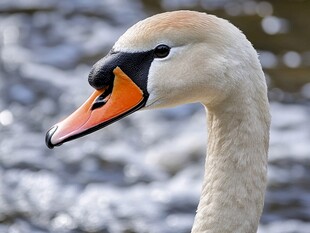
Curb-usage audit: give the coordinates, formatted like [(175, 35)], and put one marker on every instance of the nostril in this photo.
[(99, 103), (103, 98)]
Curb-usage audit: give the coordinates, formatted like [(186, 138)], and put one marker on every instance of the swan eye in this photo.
[(161, 51)]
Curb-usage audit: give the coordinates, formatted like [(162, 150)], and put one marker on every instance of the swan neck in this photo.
[(236, 168)]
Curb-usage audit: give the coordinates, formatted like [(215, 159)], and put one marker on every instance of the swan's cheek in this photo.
[(164, 87), (156, 87)]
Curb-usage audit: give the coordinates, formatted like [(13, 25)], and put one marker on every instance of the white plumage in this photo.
[(212, 62)]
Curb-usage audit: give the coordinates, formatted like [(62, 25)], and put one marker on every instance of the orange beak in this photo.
[(99, 110)]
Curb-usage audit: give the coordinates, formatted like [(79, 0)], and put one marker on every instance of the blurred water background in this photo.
[(142, 174)]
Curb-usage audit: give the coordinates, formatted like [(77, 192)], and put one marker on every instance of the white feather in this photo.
[(212, 62)]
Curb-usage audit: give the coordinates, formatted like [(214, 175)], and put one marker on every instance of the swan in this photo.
[(184, 57)]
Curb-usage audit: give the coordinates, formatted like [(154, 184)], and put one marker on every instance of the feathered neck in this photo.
[(236, 165)]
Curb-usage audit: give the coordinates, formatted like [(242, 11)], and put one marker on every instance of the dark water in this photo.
[(127, 177)]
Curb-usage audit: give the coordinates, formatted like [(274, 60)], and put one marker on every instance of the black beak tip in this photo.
[(48, 137)]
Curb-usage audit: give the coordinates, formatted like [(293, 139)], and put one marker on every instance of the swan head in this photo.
[(165, 60)]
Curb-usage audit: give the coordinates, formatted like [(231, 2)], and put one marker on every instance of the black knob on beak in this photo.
[(101, 74)]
